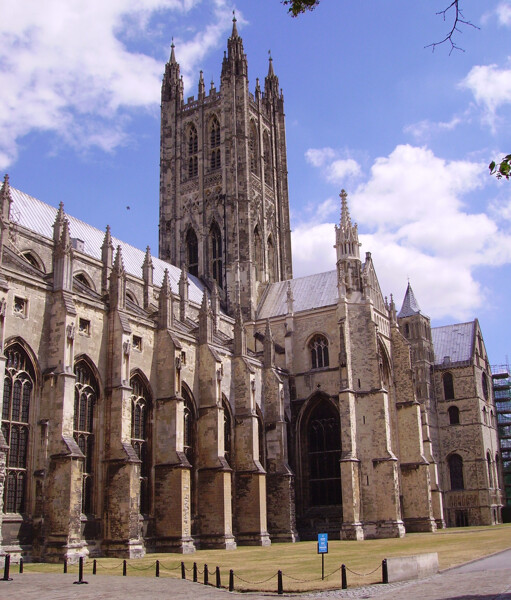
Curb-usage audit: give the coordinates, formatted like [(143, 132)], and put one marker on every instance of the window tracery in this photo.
[(318, 347)]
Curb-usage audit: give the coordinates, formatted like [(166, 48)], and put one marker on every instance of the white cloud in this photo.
[(491, 87), (503, 11), (423, 130), (414, 205), (68, 67), (335, 168)]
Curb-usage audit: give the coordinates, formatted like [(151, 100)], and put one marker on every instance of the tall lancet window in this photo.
[(214, 144), (252, 148), (271, 261), (192, 253), (86, 395), (258, 253), (193, 149), (140, 406), (18, 391), (268, 167), (216, 253)]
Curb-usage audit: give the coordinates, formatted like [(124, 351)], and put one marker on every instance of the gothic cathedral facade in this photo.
[(207, 398)]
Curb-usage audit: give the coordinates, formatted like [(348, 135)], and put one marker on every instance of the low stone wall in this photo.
[(417, 566)]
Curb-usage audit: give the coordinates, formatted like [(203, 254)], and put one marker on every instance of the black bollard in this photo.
[(94, 567), (280, 587), (195, 572), (384, 572), (124, 568), (218, 581), (157, 568), (80, 572), (21, 565), (205, 574), (183, 570), (231, 580), (65, 565), (7, 566), (344, 579)]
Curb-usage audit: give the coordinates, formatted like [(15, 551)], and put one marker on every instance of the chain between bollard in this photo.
[(94, 567), (183, 570), (280, 587), (384, 571), (157, 574), (124, 568), (218, 580), (205, 574), (231, 580), (21, 564), (195, 572)]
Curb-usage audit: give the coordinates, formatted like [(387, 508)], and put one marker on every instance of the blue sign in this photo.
[(322, 543)]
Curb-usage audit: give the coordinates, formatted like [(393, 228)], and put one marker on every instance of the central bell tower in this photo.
[(224, 205)]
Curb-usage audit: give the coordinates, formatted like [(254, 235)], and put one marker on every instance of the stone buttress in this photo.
[(172, 468), (214, 473), (122, 530)]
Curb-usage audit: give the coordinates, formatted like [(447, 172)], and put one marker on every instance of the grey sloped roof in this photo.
[(39, 217), (453, 341), (410, 305), (313, 291)]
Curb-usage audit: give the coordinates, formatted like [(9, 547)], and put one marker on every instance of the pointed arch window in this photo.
[(252, 148), (193, 149), (258, 253), (318, 347), (484, 381), (454, 415), (271, 261), (216, 253), (324, 454), (18, 393), (192, 252), (448, 382), (490, 469), (455, 463), (190, 451), (86, 395), (227, 431), (140, 407), (268, 167), (214, 144)]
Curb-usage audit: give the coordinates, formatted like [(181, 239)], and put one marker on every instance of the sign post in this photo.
[(322, 549)]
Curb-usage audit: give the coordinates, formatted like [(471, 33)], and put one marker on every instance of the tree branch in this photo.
[(459, 19)]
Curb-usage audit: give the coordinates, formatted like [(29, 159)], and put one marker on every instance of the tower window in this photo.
[(193, 148), (319, 352), (448, 382), (484, 381), (216, 254), (252, 148), (455, 463), (192, 253), (214, 143), (268, 167), (454, 415)]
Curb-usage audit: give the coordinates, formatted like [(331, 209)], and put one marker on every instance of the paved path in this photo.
[(485, 579)]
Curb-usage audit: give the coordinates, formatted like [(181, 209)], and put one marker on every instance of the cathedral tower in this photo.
[(224, 208)]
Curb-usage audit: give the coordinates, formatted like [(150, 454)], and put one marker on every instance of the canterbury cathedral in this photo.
[(208, 399)]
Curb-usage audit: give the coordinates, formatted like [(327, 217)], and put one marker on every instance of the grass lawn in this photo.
[(301, 562)]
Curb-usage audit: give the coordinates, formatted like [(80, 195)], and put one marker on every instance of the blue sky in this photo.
[(406, 131)]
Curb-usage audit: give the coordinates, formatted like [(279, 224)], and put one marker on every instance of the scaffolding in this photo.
[(501, 376)]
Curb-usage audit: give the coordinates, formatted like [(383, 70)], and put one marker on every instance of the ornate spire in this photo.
[(165, 303), (410, 305), (172, 60), (201, 86), (347, 243), (289, 299), (271, 81), (172, 87), (269, 347), (59, 223), (234, 33), (345, 212), (118, 267), (6, 198)]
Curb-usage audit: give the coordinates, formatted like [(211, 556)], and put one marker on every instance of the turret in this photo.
[(165, 303), (235, 62), (107, 257), (147, 275), (172, 88), (348, 251), (118, 283)]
